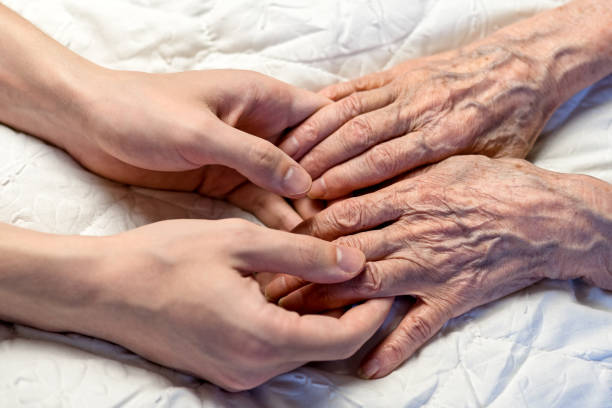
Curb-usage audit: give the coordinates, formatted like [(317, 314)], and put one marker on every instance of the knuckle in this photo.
[(396, 352), (382, 160), (348, 241), (364, 82), (418, 330), (360, 134), (349, 215), (352, 105), (263, 155), (308, 132), (371, 282)]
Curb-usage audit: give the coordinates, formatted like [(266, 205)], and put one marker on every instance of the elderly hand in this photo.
[(457, 235), (180, 293), (492, 97)]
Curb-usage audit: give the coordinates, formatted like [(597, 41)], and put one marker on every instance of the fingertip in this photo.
[(318, 189), (282, 286), (369, 369), (291, 146), (291, 301), (303, 228), (296, 182), (300, 301), (275, 288), (350, 260), (378, 367), (308, 208)]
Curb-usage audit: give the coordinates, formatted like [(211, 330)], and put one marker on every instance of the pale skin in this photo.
[(181, 292), (491, 97), (204, 131), (77, 96), (468, 230)]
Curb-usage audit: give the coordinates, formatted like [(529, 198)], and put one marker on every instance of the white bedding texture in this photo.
[(547, 346)]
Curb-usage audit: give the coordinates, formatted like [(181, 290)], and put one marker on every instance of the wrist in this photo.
[(567, 48), (584, 230), (51, 282), (45, 89), (55, 108)]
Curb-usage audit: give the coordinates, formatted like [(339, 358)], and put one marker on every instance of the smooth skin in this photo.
[(203, 131), (181, 292)]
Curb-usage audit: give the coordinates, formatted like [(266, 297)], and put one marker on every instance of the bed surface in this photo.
[(549, 345)]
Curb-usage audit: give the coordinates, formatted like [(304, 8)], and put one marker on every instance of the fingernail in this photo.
[(293, 301), (291, 146), (296, 181), (290, 302), (274, 288), (369, 369), (318, 189), (350, 260), (282, 301)]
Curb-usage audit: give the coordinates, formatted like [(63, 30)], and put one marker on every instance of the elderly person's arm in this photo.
[(456, 235), (201, 131), (491, 97)]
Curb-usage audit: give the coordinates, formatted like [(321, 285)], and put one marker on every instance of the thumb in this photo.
[(309, 258), (258, 160)]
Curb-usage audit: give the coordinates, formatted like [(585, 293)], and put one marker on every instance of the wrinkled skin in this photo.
[(204, 131), (457, 235), (180, 293), (482, 99)]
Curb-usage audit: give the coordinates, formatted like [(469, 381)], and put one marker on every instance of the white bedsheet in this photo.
[(549, 345)]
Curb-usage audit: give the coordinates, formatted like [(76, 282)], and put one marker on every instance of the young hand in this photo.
[(181, 293)]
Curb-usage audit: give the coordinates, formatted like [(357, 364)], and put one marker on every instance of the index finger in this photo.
[(329, 118), (352, 215), (269, 208)]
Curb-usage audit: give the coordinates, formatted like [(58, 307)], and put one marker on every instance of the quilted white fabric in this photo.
[(549, 345)]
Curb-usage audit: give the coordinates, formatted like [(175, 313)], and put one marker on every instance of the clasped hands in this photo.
[(449, 226), (448, 212), (420, 166)]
